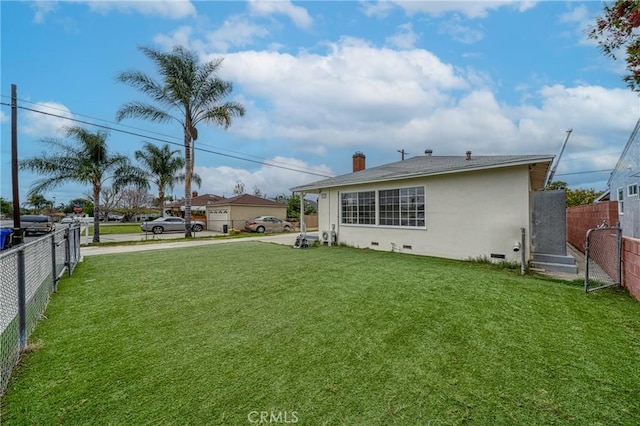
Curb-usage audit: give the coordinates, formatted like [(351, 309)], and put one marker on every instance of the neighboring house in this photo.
[(233, 212), (199, 205), (458, 207), (623, 185)]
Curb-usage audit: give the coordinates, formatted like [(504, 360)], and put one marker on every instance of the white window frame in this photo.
[(405, 209), (620, 198), (632, 190), (360, 211)]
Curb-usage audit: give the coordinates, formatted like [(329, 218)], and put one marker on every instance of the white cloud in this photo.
[(358, 96), (379, 9), (3, 117), (298, 15), (470, 9), (171, 9), (405, 37), (460, 32), (270, 180), (42, 125), (42, 8), (338, 98), (236, 31)]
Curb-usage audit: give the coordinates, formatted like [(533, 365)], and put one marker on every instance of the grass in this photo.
[(329, 335), (116, 228)]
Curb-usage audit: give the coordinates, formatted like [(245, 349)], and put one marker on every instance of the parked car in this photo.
[(70, 220), (112, 217), (170, 224), (36, 224), (262, 224)]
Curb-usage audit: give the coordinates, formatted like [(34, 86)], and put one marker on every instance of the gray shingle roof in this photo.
[(425, 166)]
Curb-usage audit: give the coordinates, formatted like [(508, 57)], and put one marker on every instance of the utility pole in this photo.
[(402, 152), (17, 231), (554, 167)]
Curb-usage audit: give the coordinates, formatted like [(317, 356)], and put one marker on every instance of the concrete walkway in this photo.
[(285, 239)]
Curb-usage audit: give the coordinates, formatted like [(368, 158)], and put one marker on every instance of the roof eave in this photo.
[(313, 188)]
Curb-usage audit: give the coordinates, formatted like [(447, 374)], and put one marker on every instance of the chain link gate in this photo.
[(602, 258)]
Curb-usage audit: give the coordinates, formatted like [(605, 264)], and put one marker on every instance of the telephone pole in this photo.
[(17, 231), (402, 152)]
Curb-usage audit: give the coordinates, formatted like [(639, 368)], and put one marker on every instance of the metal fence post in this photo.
[(586, 263), (54, 269), (619, 255), (67, 251), (22, 302)]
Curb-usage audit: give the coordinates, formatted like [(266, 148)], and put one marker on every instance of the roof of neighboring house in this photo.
[(635, 137), (198, 201), (605, 196), (435, 165), (248, 200)]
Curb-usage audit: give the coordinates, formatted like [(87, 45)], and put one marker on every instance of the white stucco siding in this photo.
[(467, 215)]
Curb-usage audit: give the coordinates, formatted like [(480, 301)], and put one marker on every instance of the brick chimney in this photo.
[(358, 161)]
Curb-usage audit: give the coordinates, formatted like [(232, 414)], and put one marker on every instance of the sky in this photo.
[(321, 81)]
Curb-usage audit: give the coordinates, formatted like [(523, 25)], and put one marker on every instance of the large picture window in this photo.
[(359, 208), (402, 207)]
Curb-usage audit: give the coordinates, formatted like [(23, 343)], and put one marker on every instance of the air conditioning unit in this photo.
[(325, 237)]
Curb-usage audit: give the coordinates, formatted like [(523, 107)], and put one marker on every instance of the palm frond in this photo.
[(144, 111)]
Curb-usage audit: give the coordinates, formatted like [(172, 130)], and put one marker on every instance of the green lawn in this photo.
[(117, 228), (329, 335)]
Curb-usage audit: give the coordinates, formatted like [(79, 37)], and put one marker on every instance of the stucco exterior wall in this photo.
[(468, 215), (627, 172), (237, 215)]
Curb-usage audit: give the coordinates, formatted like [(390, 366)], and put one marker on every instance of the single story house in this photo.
[(623, 185), (459, 207), (199, 205), (232, 213)]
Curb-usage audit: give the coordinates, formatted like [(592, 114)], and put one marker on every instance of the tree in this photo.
[(239, 189), (616, 31), (38, 202), (164, 168), (189, 93), (575, 197), (293, 207), (135, 200), (6, 207), (256, 191), (87, 161)]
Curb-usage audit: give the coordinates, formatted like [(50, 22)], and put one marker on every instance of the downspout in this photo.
[(523, 254)]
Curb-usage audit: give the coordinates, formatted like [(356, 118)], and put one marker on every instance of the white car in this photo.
[(170, 224)]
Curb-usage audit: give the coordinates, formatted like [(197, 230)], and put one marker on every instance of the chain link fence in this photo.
[(602, 258), (29, 273)]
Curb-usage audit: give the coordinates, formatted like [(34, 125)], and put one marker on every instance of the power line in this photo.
[(585, 172), (209, 151)]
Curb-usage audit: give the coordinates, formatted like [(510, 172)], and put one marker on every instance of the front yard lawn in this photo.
[(223, 334)]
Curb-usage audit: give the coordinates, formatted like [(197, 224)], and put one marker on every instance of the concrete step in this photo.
[(553, 258), (555, 267)]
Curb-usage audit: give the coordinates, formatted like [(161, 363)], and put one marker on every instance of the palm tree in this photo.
[(87, 161), (163, 168), (189, 93), (37, 201)]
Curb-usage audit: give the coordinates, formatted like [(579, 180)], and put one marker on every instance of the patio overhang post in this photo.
[(303, 227)]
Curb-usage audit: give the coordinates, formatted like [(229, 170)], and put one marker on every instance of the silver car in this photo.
[(262, 224), (170, 224)]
